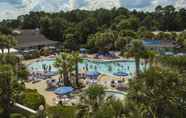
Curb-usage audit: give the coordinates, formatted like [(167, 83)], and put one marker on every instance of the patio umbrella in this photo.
[(63, 90), (121, 74), (92, 74)]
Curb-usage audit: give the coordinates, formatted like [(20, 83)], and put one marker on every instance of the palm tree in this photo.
[(10, 42), (7, 78), (6, 41), (64, 63), (117, 107), (92, 99), (149, 56), (2, 42), (77, 59), (137, 49), (111, 108), (95, 104), (152, 55)]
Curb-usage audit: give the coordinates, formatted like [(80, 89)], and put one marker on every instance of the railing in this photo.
[(117, 92), (25, 108)]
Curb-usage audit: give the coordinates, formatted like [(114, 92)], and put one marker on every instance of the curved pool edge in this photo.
[(112, 60)]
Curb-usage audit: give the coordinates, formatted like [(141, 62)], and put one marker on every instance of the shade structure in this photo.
[(64, 90), (151, 42), (105, 53), (83, 50), (92, 74), (121, 74)]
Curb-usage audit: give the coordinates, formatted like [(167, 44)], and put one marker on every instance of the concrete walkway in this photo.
[(41, 88)]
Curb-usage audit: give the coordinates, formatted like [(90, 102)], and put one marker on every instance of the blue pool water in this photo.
[(103, 67)]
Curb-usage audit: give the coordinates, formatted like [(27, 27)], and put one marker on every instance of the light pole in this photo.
[(41, 111)]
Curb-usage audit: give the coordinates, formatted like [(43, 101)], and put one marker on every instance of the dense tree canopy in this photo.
[(178, 62), (158, 93), (102, 41), (77, 25)]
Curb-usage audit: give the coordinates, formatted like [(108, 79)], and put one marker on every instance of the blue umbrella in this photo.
[(63, 90), (92, 75), (121, 74)]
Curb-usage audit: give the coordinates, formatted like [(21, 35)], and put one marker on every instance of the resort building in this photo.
[(32, 39), (159, 45)]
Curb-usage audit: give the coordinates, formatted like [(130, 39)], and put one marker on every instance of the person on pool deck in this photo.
[(49, 68), (43, 66), (86, 67)]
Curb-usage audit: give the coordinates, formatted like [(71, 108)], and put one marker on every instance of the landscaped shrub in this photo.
[(22, 72), (17, 115), (61, 112), (33, 55), (36, 54), (32, 99), (44, 52)]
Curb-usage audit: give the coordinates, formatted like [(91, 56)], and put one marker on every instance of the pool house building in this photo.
[(32, 39), (159, 45)]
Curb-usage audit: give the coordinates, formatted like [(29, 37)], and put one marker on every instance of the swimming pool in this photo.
[(103, 67)]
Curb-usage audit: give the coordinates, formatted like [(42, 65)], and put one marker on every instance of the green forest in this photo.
[(75, 28)]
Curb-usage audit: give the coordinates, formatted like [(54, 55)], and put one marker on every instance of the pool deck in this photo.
[(27, 62), (41, 88), (50, 96)]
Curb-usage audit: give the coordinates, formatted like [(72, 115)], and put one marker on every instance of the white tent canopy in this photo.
[(12, 50)]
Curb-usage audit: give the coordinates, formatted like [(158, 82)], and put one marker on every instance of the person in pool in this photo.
[(49, 68), (43, 66), (86, 67), (128, 67), (95, 67), (110, 68)]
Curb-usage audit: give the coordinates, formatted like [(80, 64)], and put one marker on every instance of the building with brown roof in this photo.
[(32, 39)]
